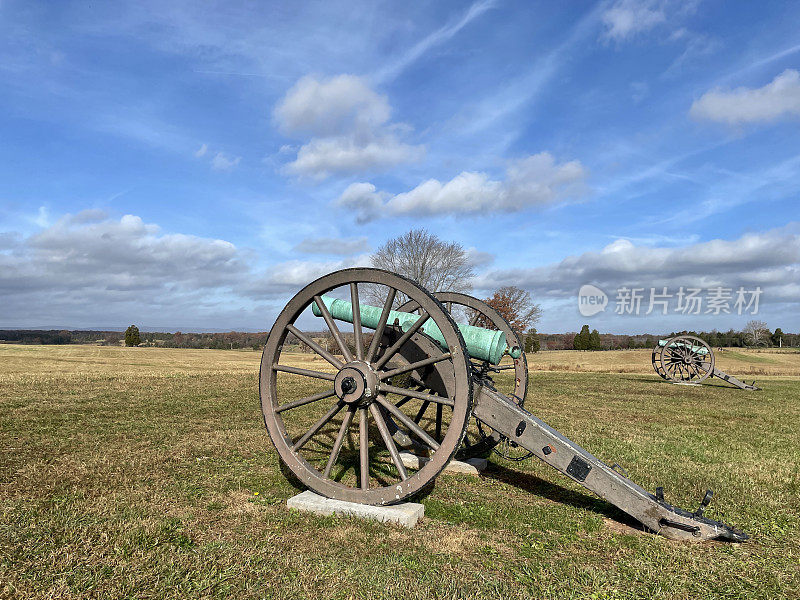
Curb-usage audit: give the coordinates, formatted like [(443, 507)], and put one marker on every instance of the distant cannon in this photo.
[(688, 359), (429, 378)]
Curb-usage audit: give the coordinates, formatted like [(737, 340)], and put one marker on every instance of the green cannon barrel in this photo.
[(693, 348), (483, 344)]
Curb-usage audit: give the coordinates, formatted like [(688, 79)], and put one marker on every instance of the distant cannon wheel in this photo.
[(479, 439), (687, 359), (327, 412), (656, 360)]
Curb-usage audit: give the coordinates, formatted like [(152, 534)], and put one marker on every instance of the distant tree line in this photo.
[(231, 340), (755, 335), (53, 336)]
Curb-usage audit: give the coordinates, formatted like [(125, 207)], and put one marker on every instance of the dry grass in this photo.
[(742, 363), (147, 473)]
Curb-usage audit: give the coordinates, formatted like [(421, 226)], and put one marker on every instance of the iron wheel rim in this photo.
[(275, 423)]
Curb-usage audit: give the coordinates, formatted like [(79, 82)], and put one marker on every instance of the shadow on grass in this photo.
[(556, 493), (706, 383)]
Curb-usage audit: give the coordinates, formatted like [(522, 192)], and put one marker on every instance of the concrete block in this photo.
[(406, 513), (471, 466)]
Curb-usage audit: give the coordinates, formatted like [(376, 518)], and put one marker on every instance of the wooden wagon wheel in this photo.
[(329, 423), (687, 359), (480, 439), (655, 358)]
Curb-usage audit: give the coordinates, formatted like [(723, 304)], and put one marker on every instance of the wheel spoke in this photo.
[(363, 447), (403, 339), (474, 320), (337, 444), (304, 401), (390, 389), (421, 411), (439, 410), (315, 347), (403, 401), (333, 329), (304, 372), (682, 371), (376, 338), (357, 333), (413, 366), (318, 425), (387, 439), (408, 422)]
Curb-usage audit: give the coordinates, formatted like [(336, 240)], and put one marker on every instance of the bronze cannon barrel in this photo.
[(483, 344)]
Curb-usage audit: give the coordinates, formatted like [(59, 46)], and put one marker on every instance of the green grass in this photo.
[(161, 482)]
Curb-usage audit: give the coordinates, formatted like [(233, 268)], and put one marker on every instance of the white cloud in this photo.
[(697, 46), (362, 199), (89, 215), (770, 259), (328, 245), (292, 275), (496, 115), (42, 218), (322, 157), (88, 270), (83, 250), (779, 98), (335, 106), (531, 181), (221, 162), (9, 240), (626, 18), (348, 126), (439, 36), (478, 259)]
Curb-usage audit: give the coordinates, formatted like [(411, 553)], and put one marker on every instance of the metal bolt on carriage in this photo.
[(406, 376)]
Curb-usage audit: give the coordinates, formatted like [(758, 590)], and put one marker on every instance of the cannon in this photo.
[(687, 359), (334, 420), (480, 440)]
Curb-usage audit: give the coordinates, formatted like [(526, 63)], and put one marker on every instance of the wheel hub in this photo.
[(356, 383)]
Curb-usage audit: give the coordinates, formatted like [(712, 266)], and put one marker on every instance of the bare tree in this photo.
[(436, 265), (756, 333), (516, 306)]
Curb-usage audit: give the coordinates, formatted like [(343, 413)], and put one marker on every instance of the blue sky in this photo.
[(186, 166)]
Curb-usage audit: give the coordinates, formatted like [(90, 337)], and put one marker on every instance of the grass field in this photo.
[(147, 473)]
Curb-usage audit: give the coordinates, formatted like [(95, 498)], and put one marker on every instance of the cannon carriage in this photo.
[(415, 377), (687, 359)]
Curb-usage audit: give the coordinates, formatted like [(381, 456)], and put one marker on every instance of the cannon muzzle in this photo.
[(483, 344)]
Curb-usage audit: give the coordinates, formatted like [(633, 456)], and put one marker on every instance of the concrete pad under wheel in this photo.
[(470, 466), (406, 513)]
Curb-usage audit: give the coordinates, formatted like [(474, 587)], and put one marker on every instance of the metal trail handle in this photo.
[(564, 455)]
